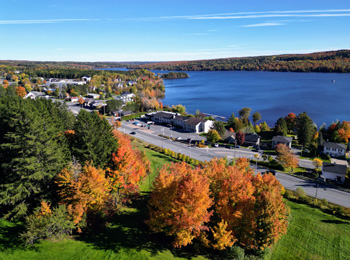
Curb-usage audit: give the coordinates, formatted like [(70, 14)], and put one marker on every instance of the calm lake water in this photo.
[(273, 94)]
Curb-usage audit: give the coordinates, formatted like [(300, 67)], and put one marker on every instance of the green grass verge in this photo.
[(313, 234)]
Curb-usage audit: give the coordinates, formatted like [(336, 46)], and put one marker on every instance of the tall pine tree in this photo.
[(30, 156)]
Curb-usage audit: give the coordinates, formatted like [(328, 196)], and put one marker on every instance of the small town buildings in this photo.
[(335, 172), (30, 95), (127, 97), (282, 140), (74, 99), (163, 117), (86, 78), (230, 137), (64, 82), (189, 124), (334, 149), (252, 140), (93, 96)]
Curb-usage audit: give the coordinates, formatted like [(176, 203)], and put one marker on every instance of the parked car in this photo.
[(133, 133), (229, 146), (273, 172), (178, 138), (216, 145)]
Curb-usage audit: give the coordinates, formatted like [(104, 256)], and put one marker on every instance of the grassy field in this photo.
[(312, 234)]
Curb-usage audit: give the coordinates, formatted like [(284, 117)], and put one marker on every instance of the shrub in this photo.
[(47, 225)]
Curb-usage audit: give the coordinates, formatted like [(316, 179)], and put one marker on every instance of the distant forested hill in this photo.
[(330, 61)]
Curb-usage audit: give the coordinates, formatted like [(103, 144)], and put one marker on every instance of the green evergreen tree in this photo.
[(220, 128), (306, 129), (281, 127), (30, 156), (93, 140)]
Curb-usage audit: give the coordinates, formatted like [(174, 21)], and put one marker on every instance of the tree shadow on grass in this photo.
[(129, 231), (335, 221), (10, 236)]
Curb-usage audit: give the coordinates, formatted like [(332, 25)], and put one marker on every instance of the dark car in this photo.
[(133, 133), (229, 146), (270, 171)]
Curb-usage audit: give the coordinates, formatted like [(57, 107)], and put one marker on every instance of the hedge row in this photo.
[(300, 196)]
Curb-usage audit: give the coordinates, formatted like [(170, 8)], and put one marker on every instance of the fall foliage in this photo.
[(286, 157), (244, 208), (180, 202), (127, 169), (21, 91), (82, 190)]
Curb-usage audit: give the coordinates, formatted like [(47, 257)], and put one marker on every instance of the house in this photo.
[(30, 95), (197, 125), (127, 97), (230, 137), (334, 149), (335, 172), (282, 140), (179, 121), (192, 124), (74, 99), (86, 78), (163, 117), (252, 140), (93, 96)]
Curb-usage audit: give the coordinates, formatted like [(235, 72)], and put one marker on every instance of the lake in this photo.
[(273, 94)]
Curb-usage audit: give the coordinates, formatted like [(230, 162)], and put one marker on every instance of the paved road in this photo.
[(205, 154)]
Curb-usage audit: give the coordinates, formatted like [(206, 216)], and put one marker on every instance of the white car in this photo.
[(178, 138), (216, 145)]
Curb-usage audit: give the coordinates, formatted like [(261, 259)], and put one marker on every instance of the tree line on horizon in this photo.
[(331, 61)]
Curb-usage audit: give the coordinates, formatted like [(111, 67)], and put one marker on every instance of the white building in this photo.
[(86, 78), (335, 172), (127, 97), (334, 149)]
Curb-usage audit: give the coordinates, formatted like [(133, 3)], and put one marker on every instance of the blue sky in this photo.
[(105, 30)]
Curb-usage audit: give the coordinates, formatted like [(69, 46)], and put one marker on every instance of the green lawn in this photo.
[(312, 234)]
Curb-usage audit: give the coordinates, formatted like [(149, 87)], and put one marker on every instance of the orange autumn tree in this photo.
[(127, 169), (180, 202), (270, 213), (247, 209), (286, 157), (83, 190), (233, 196), (21, 91)]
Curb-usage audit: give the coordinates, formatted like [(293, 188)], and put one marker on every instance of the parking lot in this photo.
[(169, 131)]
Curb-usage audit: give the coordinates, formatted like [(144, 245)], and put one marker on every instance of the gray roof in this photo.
[(164, 115), (251, 138), (282, 139), (181, 118), (334, 145), (335, 168), (229, 134), (194, 121)]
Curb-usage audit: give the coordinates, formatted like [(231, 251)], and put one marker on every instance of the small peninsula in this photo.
[(175, 75)]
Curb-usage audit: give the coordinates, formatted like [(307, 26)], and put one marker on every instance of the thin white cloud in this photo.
[(252, 15), (262, 24), (3, 22), (222, 17)]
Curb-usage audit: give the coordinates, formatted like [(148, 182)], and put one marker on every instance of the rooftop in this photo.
[(335, 168), (334, 145), (282, 139)]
